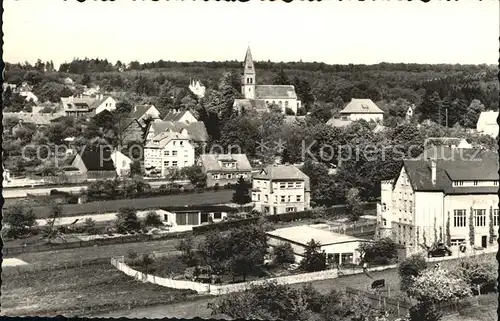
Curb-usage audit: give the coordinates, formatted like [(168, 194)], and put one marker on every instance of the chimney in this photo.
[(433, 172)]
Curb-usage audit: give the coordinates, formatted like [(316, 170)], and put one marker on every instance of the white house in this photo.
[(260, 97), (339, 248), (487, 123), (223, 169), (122, 163), (182, 116), (279, 189), (192, 216), (358, 109), (84, 106), (197, 88), (444, 186), (29, 96), (168, 150)]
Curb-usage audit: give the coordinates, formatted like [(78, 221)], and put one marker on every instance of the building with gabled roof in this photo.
[(183, 116), (283, 96), (87, 106), (197, 88), (195, 130), (168, 150), (450, 187), (281, 188), (224, 169), (95, 164), (365, 109), (487, 123)]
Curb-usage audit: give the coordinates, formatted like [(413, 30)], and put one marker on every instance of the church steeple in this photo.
[(248, 78)]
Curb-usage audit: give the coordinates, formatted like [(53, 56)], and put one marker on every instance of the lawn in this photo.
[(485, 311), (78, 291), (218, 197)]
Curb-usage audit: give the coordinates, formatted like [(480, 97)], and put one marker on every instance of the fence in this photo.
[(393, 306), (9, 251)]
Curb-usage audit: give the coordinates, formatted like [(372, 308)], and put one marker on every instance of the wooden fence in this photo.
[(13, 250)]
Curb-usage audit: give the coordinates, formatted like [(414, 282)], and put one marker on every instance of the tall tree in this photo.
[(241, 193), (314, 259), (281, 78)]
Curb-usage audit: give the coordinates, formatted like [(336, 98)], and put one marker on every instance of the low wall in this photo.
[(212, 289)]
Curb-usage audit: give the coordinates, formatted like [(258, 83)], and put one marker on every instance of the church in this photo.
[(261, 97)]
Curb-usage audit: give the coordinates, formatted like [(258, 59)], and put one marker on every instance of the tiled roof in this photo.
[(361, 106), (481, 167), (97, 160), (139, 111), (283, 172), (210, 162), (303, 234), (164, 138), (81, 103), (33, 118), (250, 104), (174, 115), (197, 131), (488, 118), (275, 92)]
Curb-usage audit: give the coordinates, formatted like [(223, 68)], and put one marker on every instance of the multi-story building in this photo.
[(224, 169), (261, 97), (446, 195), (166, 151), (279, 189)]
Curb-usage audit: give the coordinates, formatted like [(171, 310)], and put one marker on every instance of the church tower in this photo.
[(248, 78)]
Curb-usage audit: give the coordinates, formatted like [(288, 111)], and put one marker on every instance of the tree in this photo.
[(281, 78), (241, 193), (430, 107), (491, 227), (411, 268), (146, 261), (472, 115), (438, 286), (187, 247), (314, 260), (90, 226), (354, 206), (424, 311), (52, 232), (283, 253), (479, 272), (127, 220), (153, 219), (86, 80), (448, 235), (381, 252), (132, 255), (472, 233), (19, 220), (195, 175), (135, 168)]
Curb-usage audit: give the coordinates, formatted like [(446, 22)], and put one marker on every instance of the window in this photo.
[(286, 103), (480, 217), (267, 197), (258, 197), (215, 176), (282, 198), (290, 209), (275, 198), (174, 163), (459, 219), (411, 206), (458, 183), (229, 176), (299, 198), (217, 216), (282, 185), (290, 185), (181, 143), (185, 163), (475, 183), (298, 184), (384, 221), (455, 242), (289, 198), (495, 183), (495, 217), (174, 153), (166, 153)]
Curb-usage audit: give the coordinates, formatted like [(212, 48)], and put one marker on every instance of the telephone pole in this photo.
[(446, 111)]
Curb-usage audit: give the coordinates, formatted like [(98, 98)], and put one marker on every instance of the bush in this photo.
[(90, 226), (283, 253), (479, 271), (380, 252), (153, 219), (411, 267), (425, 311), (314, 260)]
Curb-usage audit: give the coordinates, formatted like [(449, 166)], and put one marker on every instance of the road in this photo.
[(205, 198)]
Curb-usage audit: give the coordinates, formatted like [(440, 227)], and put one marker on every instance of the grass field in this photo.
[(81, 291), (218, 197)]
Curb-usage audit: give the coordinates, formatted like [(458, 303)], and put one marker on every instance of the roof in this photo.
[(139, 111), (303, 234), (488, 118), (200, 208), (294, 119), (337, 122), (250, 104), (97, 160), (164, 138), (248, 66), (211, 162), (33, 118), (275, 92), (283, 172), (174, 115), (86, 103), (196, 131), (361, 106), (471, 165)]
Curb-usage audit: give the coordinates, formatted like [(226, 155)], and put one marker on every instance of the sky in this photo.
[(334, 32)]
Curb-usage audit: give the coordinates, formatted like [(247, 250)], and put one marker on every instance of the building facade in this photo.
[(442, 199), (487, 123), (224, 169), (168, 151), (279, 189), (283, 96)]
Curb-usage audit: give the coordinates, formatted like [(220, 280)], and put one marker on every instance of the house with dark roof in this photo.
[(182, 116), (261, 97), (358, 109), (196, 131), (143, 112), (87, 106), (96, 164), (134, 126), (278, 189), (224, 169), (438, 195)]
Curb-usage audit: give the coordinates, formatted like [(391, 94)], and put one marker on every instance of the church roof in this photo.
[(249, 68), (275, 92)]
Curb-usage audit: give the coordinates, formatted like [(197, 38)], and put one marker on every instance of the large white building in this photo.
[(444, 186), (261, 97), (487, 123), (168, 150), (279, 189)]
